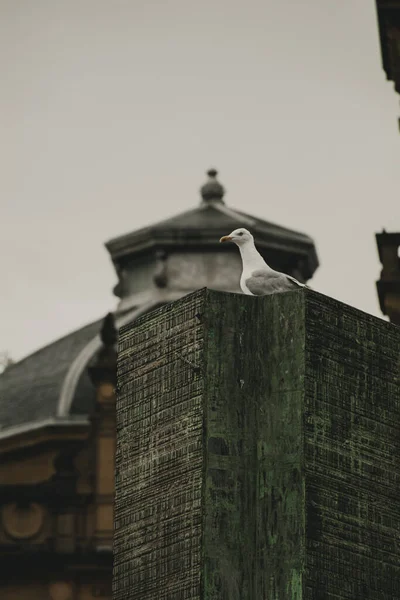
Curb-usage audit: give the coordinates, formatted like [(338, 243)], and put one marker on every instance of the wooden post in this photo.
[(258, 451)]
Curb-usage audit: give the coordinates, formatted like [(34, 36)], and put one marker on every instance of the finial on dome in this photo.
[(212, 190)]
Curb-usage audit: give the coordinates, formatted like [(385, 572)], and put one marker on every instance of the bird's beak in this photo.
[(226, 238)]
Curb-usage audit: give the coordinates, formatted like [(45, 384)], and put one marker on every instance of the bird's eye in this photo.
[(240, 232)]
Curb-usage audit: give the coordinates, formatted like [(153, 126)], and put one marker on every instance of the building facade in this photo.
[(388, 286), (57, 406)]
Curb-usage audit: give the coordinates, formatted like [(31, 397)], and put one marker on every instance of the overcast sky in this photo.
[(111, 111)]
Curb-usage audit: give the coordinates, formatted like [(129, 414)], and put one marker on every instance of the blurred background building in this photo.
[(389, 243), (57, 409)]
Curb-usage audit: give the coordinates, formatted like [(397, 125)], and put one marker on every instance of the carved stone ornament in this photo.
[(22, 523)]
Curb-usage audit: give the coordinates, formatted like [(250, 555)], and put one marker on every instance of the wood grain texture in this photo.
[(257, 451), (352, 453), (159, 460)]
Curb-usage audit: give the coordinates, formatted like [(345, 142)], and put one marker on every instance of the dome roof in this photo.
[(30, 388)]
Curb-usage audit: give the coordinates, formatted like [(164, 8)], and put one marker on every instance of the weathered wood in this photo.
[(258, 451)]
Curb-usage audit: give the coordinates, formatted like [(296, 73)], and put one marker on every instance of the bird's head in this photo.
[(240, 237)]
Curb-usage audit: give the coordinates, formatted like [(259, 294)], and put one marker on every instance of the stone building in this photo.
[(388, 285), (389, 243), (57, 406)]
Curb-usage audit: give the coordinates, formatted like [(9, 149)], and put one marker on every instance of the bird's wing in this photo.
[(263, 282), (297, 283)]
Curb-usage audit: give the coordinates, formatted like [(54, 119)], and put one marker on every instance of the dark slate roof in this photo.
[(205, 224), (30, 388)]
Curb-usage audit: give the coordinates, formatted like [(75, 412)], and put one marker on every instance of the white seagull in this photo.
[(258, 279)]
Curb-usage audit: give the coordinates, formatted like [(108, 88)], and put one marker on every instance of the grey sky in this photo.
[(112, 111)]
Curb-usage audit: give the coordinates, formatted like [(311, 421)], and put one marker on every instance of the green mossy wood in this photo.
[(258, 451)]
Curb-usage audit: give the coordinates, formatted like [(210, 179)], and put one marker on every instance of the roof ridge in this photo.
[(148, 228), (233, 214)]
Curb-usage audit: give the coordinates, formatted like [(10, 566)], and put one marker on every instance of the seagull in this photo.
[(258, 279)]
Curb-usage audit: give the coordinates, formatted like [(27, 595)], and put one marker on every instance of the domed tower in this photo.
[(173, 257), (57, 406)]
